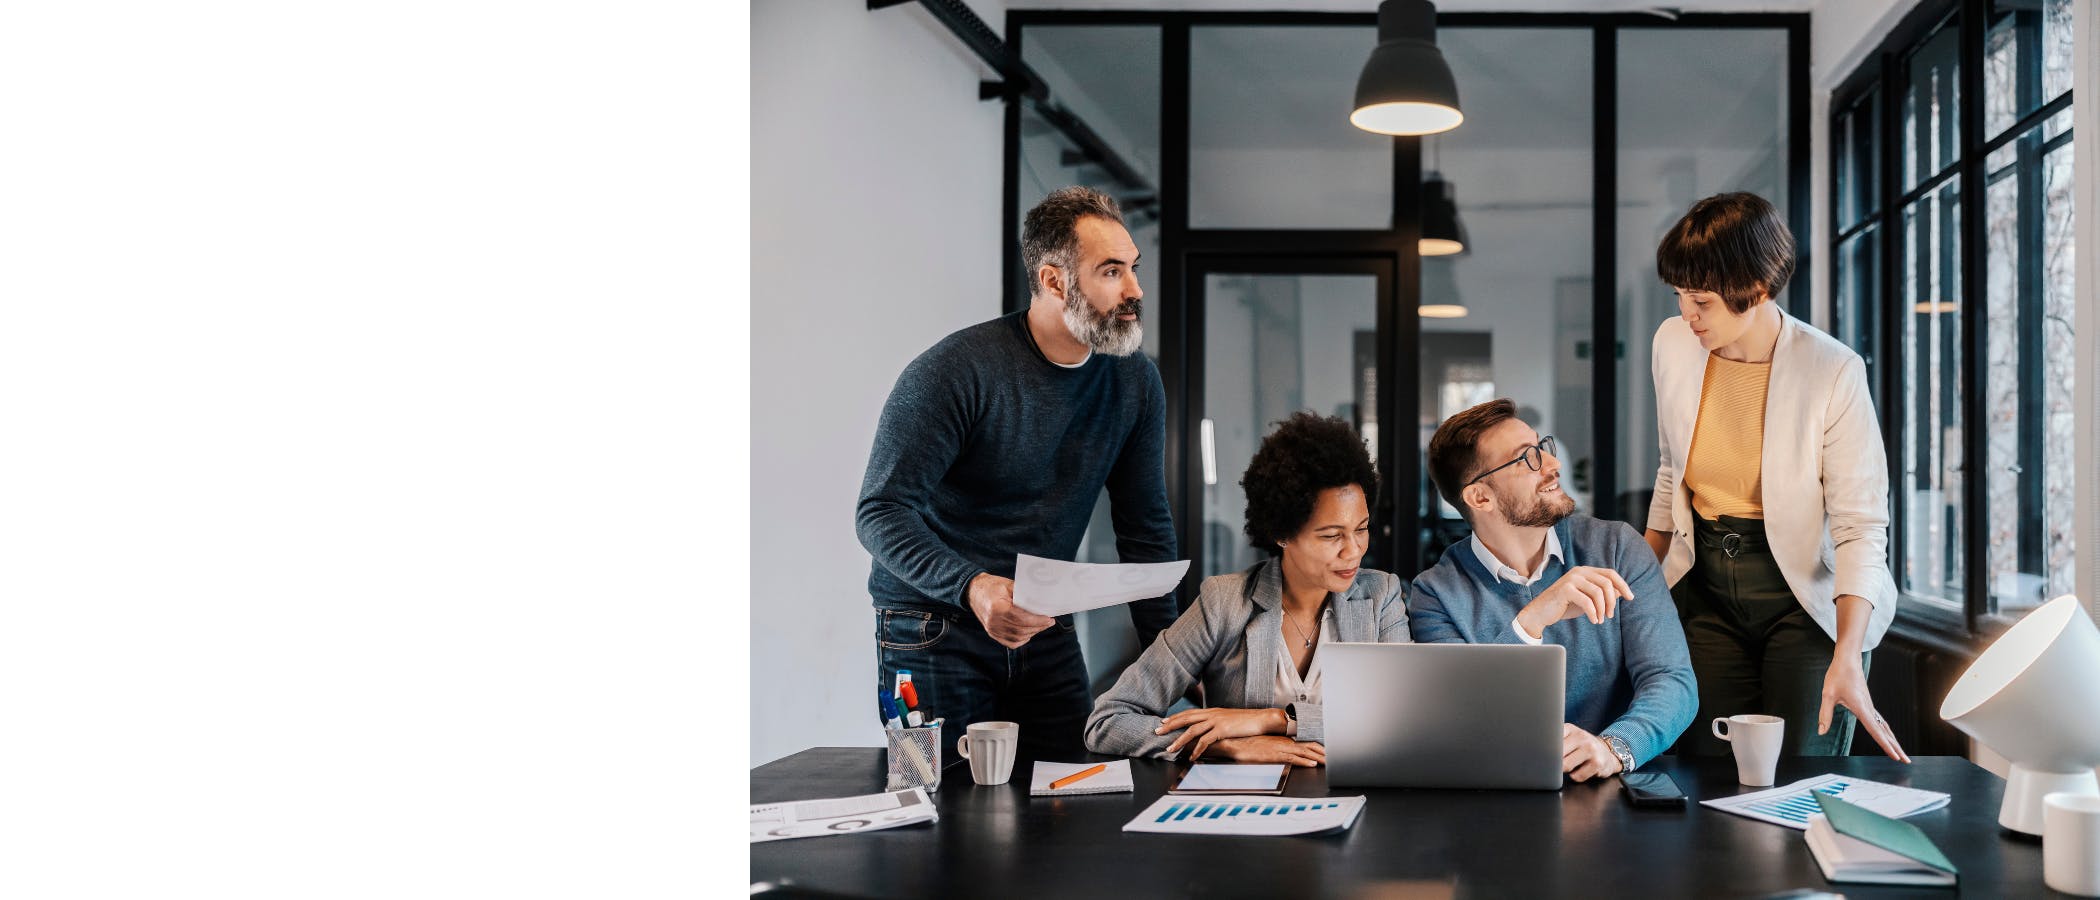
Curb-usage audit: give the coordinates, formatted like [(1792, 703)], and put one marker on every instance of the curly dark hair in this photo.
[(1305, 455)]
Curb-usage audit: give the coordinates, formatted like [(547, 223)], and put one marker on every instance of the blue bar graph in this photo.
[(1180, 811), (1799, 807)]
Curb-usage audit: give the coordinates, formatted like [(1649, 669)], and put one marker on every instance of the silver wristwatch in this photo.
[(1620, 750)]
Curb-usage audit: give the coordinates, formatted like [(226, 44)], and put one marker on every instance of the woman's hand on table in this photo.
[(1270, 748), (1203, 727)]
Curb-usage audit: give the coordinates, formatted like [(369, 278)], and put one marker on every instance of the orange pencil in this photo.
[(1076, 776)]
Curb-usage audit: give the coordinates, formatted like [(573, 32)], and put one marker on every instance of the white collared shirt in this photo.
[(1502, 572)]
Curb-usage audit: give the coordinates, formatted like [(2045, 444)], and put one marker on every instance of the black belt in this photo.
[(1734, 536)]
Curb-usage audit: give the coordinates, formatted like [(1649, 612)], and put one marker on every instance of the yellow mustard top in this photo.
[(1723, 469)]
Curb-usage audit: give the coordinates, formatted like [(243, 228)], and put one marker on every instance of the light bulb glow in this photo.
[(1406, 118)]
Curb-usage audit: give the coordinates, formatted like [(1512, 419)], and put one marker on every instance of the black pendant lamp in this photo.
[(1440, 299), (1406, 87), (1442, 233)]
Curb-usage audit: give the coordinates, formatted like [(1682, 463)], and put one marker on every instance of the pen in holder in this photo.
[(915, 756)]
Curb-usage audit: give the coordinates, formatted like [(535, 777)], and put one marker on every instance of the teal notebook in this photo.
[(1859, 845)]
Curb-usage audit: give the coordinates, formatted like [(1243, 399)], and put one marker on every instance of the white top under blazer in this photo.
[(1825, 472)]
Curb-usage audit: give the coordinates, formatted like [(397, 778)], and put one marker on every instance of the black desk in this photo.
[(1584, 841)]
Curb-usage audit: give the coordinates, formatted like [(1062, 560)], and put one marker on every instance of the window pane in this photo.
[(2027, 59), (1858, 174), (1931, 438), (1857, 305), (2027, 391), (1108, 78), (1270, 144), (1701, 111), (1521, 170), (1270, 348), (1269, 137), (1931, 103)]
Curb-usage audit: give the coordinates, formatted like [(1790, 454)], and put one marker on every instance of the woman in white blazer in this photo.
[(1771, 504)]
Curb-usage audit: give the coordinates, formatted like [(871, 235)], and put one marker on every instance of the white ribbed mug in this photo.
[(990, 748)]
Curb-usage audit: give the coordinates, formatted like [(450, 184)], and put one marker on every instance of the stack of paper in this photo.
[(1248, 815), (845, 815), (1115, 779), (1793, 804)]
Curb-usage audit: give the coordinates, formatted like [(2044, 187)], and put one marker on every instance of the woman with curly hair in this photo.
[(1253, 637)]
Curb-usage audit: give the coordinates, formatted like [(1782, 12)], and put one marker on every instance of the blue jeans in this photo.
[(963, 676)]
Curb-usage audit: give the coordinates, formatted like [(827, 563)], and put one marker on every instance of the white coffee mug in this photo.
[(2071, 843), (990, 748), (1756, 740)]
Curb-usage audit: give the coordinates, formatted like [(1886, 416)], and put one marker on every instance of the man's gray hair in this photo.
[(1050, 234)]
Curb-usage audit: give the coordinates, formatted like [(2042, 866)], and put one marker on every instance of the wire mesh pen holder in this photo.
[(915, 756)]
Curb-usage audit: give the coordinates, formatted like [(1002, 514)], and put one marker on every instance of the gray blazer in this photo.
[(1233, 629)]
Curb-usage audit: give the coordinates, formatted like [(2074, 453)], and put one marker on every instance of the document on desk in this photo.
[(844, 815), (1791, 805), (1182, 814), (1049, 587)]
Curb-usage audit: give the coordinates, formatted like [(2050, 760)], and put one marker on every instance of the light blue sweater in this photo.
[(1630, 677)]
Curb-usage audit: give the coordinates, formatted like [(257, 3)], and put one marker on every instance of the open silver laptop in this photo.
[(1443, 715)]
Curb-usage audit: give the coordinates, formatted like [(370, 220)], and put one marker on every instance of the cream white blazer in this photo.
[(1825, 473)]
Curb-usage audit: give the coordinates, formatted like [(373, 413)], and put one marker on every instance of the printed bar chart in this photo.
[(1247, 815), (1213, 809), (1792, 805), (1797, 807)]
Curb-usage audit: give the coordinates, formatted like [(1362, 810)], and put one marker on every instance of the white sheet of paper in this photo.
[(1234, 777), (1049, 587)]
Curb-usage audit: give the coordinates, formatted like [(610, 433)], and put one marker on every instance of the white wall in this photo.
[(875, 217)]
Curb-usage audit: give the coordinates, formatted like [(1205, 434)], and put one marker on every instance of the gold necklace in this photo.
[(1294, 625)]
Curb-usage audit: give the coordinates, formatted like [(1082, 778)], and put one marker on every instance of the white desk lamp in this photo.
[(2034, 697)]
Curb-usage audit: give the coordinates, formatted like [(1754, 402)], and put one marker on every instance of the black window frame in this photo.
[(1876, 84)]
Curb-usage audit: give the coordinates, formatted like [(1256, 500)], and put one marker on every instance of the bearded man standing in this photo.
[(1630, 688), (996, 442)]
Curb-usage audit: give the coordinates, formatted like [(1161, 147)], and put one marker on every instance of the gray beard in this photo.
[(1100, 333)]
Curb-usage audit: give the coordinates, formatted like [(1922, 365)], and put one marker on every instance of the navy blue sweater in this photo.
[(987, 449)]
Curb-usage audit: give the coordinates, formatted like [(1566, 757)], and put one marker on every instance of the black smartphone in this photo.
[(1651, 789)]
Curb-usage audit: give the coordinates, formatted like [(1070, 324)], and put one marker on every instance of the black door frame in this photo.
[(1399, 472)]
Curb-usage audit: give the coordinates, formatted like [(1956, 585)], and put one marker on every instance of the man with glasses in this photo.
[(1630, 685)]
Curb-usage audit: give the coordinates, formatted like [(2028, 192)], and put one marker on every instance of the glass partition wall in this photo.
[(1283, 267), (1516, 303)]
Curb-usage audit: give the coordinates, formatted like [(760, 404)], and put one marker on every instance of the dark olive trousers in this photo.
[(1754, 649)]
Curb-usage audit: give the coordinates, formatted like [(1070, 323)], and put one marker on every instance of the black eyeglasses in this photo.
[(1533, 455)]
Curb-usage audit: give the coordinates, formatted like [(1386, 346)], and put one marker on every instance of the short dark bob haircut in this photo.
[(1735, 245), (1305, 455)]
